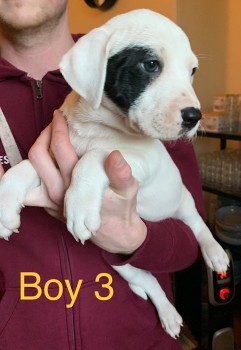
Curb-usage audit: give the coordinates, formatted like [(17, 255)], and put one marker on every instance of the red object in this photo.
[(222, 275), (225, 293)]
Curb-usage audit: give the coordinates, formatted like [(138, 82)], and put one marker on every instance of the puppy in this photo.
[(132, 87)]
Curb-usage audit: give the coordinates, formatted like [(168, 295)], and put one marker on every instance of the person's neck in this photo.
[(40, 52)]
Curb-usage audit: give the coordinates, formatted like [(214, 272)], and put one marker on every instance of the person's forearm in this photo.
[(169, 246)]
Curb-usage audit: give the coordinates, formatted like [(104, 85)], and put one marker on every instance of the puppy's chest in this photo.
[(86, 139), (158, 177)]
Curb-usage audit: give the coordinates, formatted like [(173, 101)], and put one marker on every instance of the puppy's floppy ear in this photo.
[(84, 65)]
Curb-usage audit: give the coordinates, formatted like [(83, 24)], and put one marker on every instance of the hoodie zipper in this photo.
[(66, 273), (39, 92), (38, 101)]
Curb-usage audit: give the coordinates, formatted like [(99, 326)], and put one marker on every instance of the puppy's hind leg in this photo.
[(144, 284)]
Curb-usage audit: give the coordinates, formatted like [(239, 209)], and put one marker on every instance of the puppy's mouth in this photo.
[(188, 132)]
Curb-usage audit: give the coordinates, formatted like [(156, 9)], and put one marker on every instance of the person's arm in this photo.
[(170, 246)]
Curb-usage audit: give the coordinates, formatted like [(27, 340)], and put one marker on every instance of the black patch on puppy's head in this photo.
[(128, 74)]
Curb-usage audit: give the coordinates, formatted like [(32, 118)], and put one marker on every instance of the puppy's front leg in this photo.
[(214, 255), (83, 199), (14, 186)]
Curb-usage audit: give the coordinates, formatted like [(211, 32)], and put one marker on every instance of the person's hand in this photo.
[(54, 157), (122, 230)]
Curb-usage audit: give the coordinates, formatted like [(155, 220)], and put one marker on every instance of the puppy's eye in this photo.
[(193, 71), (151, 66)]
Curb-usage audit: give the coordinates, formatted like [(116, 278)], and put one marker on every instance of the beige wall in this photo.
[(234, 47), (205, 22), (214, 29), (84, 18)]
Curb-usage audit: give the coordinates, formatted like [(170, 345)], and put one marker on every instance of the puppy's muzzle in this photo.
[(190, 117)]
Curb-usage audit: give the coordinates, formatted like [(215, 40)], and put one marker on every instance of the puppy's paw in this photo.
[(82, 213), (5, 233), (170, 319), (9, 216), (215, 256)]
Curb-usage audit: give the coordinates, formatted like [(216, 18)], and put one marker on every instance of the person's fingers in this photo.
[(120, 175), (38, 197), (54, 171), (1, 171), (45, 167), (62, 148)]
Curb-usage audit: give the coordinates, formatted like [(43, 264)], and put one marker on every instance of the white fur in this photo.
[(97, 127)]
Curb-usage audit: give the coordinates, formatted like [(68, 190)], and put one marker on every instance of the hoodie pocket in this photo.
[(33, 324), (8, 304)]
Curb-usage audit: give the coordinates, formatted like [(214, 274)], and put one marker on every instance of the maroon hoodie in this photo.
[(44, 248)]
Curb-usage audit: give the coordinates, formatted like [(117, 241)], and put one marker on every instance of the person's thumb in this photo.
[(120, 175)]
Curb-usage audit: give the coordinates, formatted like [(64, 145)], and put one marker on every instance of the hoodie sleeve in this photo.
[(170, 244)]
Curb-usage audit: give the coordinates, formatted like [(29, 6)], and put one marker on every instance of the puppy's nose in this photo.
[(190, 116)]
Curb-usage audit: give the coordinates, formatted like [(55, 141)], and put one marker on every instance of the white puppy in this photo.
[(132, 86)]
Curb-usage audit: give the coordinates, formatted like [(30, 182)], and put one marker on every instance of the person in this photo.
[(40, 264)]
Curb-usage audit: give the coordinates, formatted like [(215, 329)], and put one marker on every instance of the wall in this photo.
[(233, 47), (214, 29), (205, 23), (84, 18)]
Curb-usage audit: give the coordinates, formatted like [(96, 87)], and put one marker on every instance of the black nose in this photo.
[(190, 116)]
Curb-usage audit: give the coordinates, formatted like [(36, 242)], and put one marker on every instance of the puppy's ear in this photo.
[(84, 65)]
